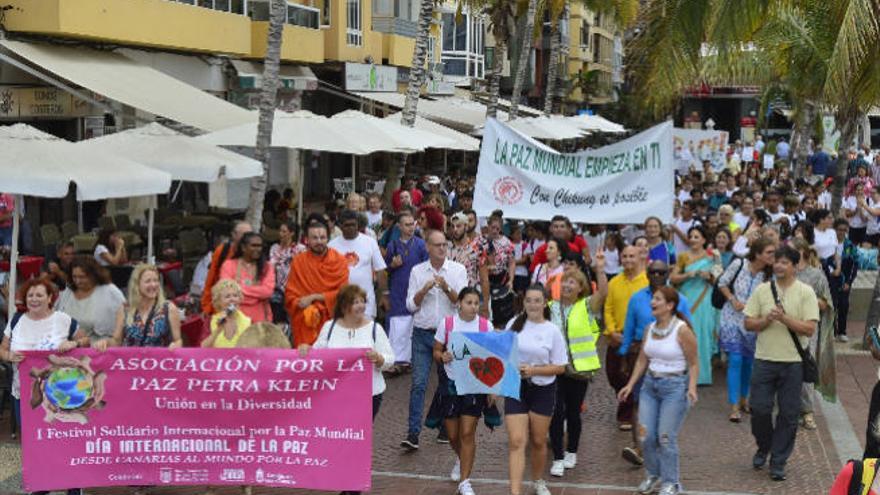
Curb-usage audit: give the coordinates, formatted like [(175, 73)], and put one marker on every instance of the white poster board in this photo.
[(625, 182), (700, 145)]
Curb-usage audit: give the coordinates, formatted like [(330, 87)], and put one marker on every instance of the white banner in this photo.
[(692, 146), (625, 182)]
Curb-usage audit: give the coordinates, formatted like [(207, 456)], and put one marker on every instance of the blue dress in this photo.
[(703, 314)]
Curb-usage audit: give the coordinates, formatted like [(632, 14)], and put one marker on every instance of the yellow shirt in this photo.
[(242, 323), (774, 342), (620, 289)]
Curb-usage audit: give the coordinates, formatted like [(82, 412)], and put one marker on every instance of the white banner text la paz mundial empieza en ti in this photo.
[(625, 182)]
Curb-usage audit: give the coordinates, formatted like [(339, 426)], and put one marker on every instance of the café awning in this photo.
[(117, 77)]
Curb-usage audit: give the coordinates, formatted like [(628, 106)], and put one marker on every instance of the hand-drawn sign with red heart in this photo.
[(489, 370)]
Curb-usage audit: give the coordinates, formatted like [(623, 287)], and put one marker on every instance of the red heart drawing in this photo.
[(489, 371)]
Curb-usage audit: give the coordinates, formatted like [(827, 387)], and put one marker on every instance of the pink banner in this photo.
[(135, 416)]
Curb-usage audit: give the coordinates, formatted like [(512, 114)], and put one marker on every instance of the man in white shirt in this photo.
[(433, 292), (681, 226), (374, 212), (759, 144), (363, 256)]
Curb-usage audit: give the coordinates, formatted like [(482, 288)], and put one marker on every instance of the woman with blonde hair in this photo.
[(148, 320), (229, 323)]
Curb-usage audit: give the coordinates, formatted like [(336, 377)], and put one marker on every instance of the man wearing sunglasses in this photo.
[(638, 317)]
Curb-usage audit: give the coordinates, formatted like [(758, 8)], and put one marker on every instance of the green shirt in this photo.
[(774, 342)]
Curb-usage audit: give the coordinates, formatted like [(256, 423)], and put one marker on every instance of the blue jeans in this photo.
[(663, 405), (422, 358), (5, 236), (739, 376)]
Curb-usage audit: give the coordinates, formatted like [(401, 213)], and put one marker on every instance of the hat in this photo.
[(433, 180), (459, 217)]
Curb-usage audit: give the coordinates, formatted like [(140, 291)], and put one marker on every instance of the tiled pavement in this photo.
[(715, 456)]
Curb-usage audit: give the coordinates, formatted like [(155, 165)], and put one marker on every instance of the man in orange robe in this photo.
[(222, 253), (315, 278)]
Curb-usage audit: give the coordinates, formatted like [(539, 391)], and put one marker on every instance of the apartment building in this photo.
[(595, 58)]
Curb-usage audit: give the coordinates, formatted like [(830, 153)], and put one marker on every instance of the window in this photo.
[(585, 34), (454, 34), (325, 13), (297, 15), (354, 29), (233, 6)]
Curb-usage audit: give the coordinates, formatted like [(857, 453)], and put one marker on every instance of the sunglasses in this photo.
[(658, 272)]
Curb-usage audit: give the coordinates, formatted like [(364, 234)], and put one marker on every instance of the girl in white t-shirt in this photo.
[(461, 413), (542, 356)]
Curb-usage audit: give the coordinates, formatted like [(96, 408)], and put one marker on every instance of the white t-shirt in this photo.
[(856, 221), (680, 245), (823, 200), (346, 338), (364, 258), (826, 243), (518, 249), (612, 261), (541, 344), (36, 335), (776, 216), (100, 249), (458, 325), (684, 196), (95, 314), (742, 220), (374, 220)]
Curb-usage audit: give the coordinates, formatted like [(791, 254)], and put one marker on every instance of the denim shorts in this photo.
[(539, 399)]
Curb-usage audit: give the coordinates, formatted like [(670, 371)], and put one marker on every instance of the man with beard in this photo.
[(561, 228), (364, 259), (315, 277), (469, 252)]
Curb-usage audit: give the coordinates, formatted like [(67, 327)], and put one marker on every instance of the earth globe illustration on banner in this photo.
[(67, 389)]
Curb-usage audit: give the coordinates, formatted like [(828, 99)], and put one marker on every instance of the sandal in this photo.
[(808, 421), (735, 416), (745, 408)]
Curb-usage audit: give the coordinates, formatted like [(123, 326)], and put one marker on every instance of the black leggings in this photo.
[(570, 394)]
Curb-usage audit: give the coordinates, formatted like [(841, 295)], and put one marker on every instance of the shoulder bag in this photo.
[(810, 368), (718, 298)]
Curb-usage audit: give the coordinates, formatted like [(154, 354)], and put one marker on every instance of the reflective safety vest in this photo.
[(581, 332)]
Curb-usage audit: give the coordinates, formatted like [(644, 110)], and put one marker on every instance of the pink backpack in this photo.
[(449, 321)]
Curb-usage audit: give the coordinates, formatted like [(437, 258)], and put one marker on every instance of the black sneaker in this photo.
[(411, 443), (442, 436), (759, 460), (777, 474), (632, 456)]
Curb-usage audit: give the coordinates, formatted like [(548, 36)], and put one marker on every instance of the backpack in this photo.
[(17, 316), (450, 320), (333, 324), (863, 473)]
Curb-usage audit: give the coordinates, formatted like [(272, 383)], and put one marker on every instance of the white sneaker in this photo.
[(571, 460), (842, 339), (557, 468), (670, 489), (455, 475), (541, 488), (464, 488), (650, 485)]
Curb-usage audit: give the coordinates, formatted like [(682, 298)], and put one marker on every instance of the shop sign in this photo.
[(370, 77), (40, 102)]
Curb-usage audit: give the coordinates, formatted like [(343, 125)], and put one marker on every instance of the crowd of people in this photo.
[(754, 272)]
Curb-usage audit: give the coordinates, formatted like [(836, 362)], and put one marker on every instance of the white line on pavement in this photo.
[(842, 434), (583, 486)]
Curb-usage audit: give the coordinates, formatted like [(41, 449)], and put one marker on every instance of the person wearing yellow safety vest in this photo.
[(575, 315)]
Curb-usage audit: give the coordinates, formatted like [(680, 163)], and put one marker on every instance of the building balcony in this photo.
[(150, 23), (299, 44)]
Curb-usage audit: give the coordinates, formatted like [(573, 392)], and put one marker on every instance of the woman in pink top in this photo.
[(254, 274)]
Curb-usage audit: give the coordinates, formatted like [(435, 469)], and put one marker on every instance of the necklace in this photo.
[(660, 333)]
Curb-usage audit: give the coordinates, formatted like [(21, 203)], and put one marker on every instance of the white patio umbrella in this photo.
[(184, 157), (299, 130), (462, 141), (596, 123), (34, 163), (546, 128)]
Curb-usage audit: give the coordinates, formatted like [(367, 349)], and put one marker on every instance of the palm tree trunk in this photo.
[(495, 77), (525, 50), (847, 122), (277, 19), (800, 140), (417, 73), (553, 67)]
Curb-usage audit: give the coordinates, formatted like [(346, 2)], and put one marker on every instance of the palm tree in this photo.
[(277, 19), (525, 50), (418, 73), (501, 20)]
